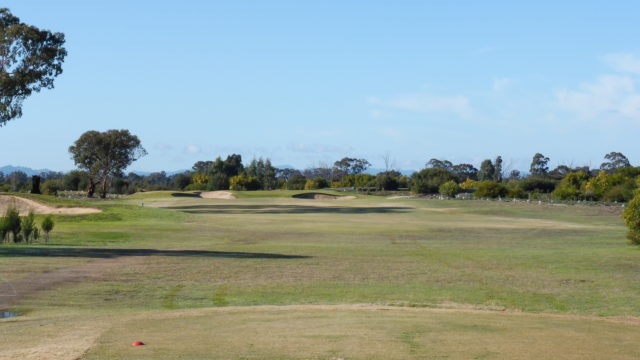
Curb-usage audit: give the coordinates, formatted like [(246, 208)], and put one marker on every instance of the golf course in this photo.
[(298, 275)]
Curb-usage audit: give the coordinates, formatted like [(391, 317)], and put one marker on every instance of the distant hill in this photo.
[(29, 171)]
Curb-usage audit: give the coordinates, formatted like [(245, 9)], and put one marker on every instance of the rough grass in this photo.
[(260, 250)]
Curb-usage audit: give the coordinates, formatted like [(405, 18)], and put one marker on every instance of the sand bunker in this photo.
[(217, 195), (24, 206), (321, 196)]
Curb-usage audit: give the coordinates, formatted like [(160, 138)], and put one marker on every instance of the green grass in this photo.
[(266, 248)]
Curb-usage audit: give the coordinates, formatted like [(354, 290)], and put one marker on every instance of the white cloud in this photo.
[(458, 105), (608, 95), (193, 149), (501, 84), (623, 62)]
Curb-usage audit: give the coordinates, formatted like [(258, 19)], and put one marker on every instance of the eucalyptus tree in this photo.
[(105, 155), (30, 59)]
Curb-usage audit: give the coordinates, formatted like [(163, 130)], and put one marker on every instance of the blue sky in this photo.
[(309, 82)]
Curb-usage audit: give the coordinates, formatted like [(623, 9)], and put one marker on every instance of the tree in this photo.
[(439, 164), (539, 165), (351, 166), (464, 172), (616, 161), (47, 225), (450, 189), (631, 217), (487, 171), (18, 180), (30, 59), (12, 223), (428, 181), (28, 226), (497, 173), (490, 189), (105, 155)]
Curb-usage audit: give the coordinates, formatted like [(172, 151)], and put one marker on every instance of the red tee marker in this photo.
[(137, 343)]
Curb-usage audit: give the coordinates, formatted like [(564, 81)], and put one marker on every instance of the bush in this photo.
[(490, 189), (12, 223), (631, 217), (28, 227), (536, 183), (218, 181), (450, 189), (243, 182), (428, 181), (51, 187), (618, 193), (296, 182), (196, 187), (47, 225), (387, 181)]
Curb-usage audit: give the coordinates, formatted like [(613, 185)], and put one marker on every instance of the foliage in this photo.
[(490, 189), (317, 183), (538, 184), (104, 155), (387, 181), (631, 217), (296, 182), (28, 226), (428, 181), (243, 182), (359, 180), (497, 173), (440, 164), (595, 187), (570, 188), (76, 180), (218, 181), (30, 59), (47, 226), (51, 187), (12, 223), (450, 189), (181, 181), (350, 166), (465, 171), (487, 171), (264, 172), (469, 184), (616, 160), (539, 165)]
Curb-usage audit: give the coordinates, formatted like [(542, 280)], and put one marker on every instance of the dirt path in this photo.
[(24, 206)]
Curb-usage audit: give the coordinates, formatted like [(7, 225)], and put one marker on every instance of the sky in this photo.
[(306, 83)]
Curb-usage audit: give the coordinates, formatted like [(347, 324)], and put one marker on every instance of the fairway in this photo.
[(267, 275)]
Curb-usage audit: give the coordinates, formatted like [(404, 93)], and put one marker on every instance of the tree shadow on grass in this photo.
[(104, 253), (287, 209)]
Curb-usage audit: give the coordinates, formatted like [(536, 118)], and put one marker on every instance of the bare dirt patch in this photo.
[(321, 196), (24, 206), (217, 195)]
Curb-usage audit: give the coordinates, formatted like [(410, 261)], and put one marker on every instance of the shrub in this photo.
[(618, 193), (218, 181), (387, 181), (490, 189), (244, 182), (296, 182), (571, 186), (51, 187), (536, 183), (450, 188), (631, 217), (12, 223), (4, 230), (428, 181), (196, 187), (28, 225), (311, 185), (47, 225)]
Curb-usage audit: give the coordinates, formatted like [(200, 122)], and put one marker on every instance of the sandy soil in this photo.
[(217, 195), (321, 196), (25, 205)]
